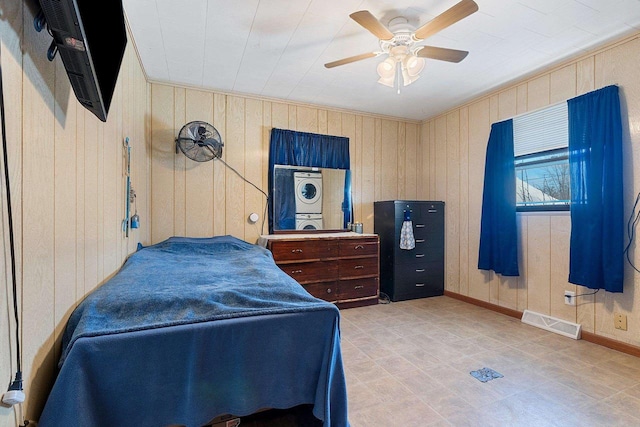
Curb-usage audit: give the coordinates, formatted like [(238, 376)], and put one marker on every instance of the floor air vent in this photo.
[(559, 326)]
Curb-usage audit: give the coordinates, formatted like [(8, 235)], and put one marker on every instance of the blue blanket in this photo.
[(187, 280), (192, 328)]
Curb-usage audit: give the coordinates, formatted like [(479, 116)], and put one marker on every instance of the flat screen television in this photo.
[(91, 39)]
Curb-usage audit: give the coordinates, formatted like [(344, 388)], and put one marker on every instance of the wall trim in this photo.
[(612, 344), (587, 336), (418, 123), (544, 70), (494, 307)]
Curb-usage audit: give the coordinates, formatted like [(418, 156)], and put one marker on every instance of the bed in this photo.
[(193, 328)]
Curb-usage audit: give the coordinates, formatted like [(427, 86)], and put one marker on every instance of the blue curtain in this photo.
[(596, 257), (293, 148), (347, 206), (284, 180), (498, 228)]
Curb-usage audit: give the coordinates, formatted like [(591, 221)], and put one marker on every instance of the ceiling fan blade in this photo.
[(350, 59), (442, 54), (371, 23), (449, 17)]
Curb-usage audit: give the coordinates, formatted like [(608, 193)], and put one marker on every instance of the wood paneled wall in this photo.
[(67, 180), (68, 197), (205, 199), (458, 139)]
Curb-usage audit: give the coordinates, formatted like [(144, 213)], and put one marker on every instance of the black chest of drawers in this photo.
[(419, 272)]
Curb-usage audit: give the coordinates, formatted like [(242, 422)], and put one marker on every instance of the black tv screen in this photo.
[(91, 39)]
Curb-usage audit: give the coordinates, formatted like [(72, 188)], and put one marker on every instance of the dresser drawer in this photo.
[(307, 272), (423, 252), (428, 275), (299, 250), (327, 291), (358, 288), (358, 247), (358, 267)]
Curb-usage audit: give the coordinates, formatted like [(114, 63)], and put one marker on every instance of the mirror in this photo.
[(308, 198)]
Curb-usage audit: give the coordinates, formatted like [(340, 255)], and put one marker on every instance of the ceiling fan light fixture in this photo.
[(387, 81), (386, 69), (400, 41), (407, 79), (414, 65)]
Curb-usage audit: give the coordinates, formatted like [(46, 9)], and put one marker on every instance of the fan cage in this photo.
[(199, 141)]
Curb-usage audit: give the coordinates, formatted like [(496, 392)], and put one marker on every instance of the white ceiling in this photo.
[(278, 48)]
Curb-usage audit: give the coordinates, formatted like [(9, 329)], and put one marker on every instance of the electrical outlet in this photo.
[(569, 297), (620, 321)]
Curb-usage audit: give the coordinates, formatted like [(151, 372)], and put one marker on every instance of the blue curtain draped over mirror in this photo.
[(293, 148), (347, 204), (498, 228), (596, 257), (284, 180)]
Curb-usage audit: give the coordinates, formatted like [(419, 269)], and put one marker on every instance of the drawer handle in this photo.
[(419, 255), (419, 285), (358, 287), (419, 225), (358, 267), (432, 210), (358, 247), (420, 270), (296, 272), (328, 290), (419, 240), (296, 251)]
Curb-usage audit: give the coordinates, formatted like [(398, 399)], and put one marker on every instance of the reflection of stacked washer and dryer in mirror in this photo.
[(308, 188)]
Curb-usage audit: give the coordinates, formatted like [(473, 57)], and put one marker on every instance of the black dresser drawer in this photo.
[(419, 275), (419, 255)]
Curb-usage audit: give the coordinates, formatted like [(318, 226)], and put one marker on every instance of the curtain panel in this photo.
[(293, 148), (596, 257), (288, 147), (498, 228)]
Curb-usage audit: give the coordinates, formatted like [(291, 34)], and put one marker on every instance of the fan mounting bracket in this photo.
[(400, 24), (402, 35)]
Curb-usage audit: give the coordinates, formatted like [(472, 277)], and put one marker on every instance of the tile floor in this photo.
[(408, 364)]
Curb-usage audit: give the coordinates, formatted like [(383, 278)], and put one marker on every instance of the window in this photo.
[(542, 180), (541, 141)]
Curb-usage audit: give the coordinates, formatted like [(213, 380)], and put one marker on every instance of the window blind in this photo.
[(541, 130)]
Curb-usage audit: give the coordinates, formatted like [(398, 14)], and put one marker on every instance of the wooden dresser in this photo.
[(342, 268)]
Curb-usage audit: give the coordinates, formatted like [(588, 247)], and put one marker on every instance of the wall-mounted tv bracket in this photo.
[(40, 23)]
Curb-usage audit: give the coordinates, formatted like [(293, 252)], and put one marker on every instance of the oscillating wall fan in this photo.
[(401, 42), (199, 141)]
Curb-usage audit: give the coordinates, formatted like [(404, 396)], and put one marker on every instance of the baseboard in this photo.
[(494, 307), (587, 336), (620, 346)]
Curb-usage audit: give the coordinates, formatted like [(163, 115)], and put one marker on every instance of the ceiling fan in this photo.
[(401, 42)]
